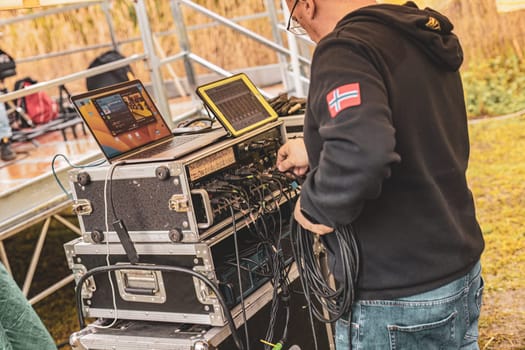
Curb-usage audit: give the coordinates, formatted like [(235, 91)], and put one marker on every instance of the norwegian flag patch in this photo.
[(343, 97)]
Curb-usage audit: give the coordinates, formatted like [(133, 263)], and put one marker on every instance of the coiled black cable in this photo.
[(336, 301)]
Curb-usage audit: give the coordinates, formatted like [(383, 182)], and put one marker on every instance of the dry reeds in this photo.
[(484, 32), (88, 26)]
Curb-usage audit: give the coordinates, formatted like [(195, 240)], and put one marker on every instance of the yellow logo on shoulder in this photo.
[(433, 24)]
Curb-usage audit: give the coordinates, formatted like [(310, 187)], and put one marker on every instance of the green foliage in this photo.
[(495, 86)]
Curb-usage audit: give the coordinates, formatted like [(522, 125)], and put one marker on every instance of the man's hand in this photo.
[(307, 224), (292, 157)]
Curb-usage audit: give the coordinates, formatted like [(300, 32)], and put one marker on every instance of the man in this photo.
[(20, 326), (386, 149), (7, 69), (6, 151)]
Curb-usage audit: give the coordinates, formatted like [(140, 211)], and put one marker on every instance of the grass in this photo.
[(496, 173)]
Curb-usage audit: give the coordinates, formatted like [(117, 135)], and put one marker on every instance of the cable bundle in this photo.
[(336, 301), (251, 191), (285, 105)]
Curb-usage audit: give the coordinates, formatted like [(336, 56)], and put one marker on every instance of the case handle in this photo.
[(207, 208)]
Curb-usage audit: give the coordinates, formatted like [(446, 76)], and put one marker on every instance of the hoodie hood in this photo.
[(430, 30)]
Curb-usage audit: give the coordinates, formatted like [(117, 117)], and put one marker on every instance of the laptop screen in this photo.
[(122, 118), (237, 104)]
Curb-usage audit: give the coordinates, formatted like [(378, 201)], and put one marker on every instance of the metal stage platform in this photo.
[(30, 194)]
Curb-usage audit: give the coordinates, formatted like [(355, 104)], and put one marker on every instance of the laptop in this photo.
[(127, 125), (237, 104)]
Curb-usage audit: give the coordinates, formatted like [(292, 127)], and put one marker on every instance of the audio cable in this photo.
[(336, 301), (55, 175), (267, 228), (239, 278)]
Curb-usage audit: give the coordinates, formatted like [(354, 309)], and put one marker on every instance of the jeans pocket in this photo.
[(479, 294), (346, 334), (474, 308), (429, 336), (342, 334)]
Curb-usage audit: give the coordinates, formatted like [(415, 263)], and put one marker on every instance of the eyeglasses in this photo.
[(293, 26)]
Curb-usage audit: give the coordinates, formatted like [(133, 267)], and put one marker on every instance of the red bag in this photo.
[(40, 107)]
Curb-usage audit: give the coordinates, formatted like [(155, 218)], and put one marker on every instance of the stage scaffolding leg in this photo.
[(276, 33), (47, 292), (294, 60), (67, 224), (153, 61), (184, 43), (3, 257), (36, 257), (106, 8)]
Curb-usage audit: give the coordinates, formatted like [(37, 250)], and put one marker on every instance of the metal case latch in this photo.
[(203, 292), (82, 207), (200, 344), (178, 203)]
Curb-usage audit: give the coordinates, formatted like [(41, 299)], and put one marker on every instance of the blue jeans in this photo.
[(441, 319)]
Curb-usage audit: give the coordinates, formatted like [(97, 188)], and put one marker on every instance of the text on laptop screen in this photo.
[(122, 119)]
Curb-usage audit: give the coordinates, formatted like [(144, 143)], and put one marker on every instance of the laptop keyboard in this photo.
[(175, 142), (181, 139)]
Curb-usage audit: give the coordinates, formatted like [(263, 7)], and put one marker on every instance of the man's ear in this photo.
[(310, 8)]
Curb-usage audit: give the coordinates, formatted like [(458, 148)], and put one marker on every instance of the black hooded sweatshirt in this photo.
[(387, 141)]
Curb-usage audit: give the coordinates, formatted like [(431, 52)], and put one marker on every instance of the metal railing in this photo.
[(276, 45), (289, 72)]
